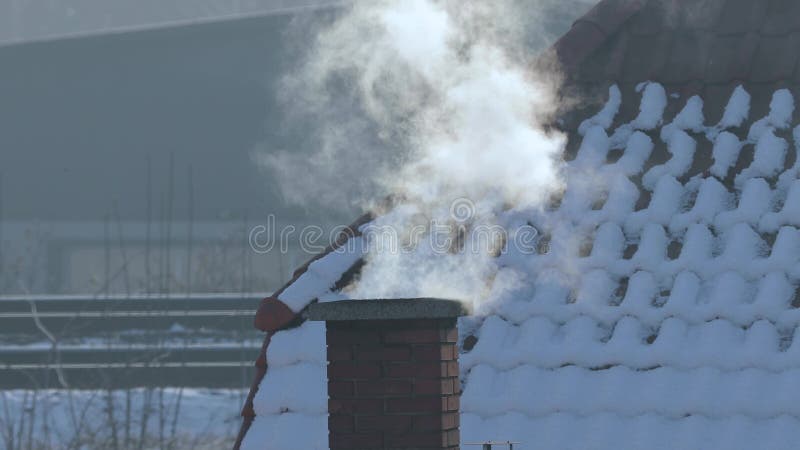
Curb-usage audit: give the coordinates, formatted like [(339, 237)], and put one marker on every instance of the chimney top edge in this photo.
[(387, 309)]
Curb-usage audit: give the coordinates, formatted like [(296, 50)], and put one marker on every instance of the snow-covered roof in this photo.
[(674, 323)]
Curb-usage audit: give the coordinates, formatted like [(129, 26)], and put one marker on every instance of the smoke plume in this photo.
[(434, 102)]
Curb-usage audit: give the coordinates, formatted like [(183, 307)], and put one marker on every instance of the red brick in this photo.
[(418, 336), (452, 368), (453, 437), (433, 439), (355, 406), (383, 387), (349, 337), (339, 389), (392, 424), (434, 386), (436, 422), (340, 353), (451, 335), (453, 403), (383, 353), (338, 423), (418, 369), (355, 441), (437, 352), (416, 405), (348, 369)]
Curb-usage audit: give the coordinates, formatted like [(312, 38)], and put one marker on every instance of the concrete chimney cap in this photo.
[(387, 309)]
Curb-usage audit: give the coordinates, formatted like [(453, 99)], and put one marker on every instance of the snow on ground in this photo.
[(206, 418)]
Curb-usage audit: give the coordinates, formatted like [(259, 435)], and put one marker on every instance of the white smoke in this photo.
[(432, 101)]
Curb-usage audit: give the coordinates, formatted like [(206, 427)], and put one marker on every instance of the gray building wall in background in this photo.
[(36, 20)]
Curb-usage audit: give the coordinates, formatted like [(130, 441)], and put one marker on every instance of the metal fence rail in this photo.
[(114, 342)]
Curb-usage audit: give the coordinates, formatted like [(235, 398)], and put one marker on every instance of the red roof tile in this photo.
[(688, 57), (609, 15), (731, 57), (741, 16), (273, 315), (781, 18), (776, 58)]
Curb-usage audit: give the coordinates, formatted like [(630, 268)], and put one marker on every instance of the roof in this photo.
[(674, 325)]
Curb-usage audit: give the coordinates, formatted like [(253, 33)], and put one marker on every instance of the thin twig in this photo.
[(112, 421), (127, 418), (2, 255), (148, 202), (170, 198), (121, 242), (8, 423), (148, 398), (55, 352), (32, 421), (175, 415), (189, 233)]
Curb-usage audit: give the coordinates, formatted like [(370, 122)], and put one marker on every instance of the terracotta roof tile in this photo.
[(646, 57), (627, 110), (591, 31), (608, 15), (741, 16), (248, 411), (700, 15), (607, 62), (685, 89), (782, 17), (702, 160), (795, 89), (580, 100), (653, 19), (688, 57), (578, 43), (730, 58), (760, 98), (273, 315), (715, 98), (616, 57), (796, 77), (776, 58)]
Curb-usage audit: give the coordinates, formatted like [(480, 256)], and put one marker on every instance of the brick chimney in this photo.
[(392, 373)]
